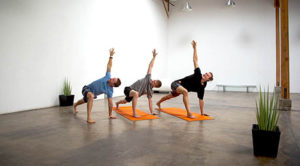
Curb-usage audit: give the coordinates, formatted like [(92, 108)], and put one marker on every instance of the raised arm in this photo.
[(109, 64), (152, 62), (195, 57)]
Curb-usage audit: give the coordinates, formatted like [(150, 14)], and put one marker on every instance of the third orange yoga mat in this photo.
[(181, 113)]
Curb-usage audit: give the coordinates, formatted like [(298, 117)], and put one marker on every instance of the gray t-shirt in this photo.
[(143, 86)]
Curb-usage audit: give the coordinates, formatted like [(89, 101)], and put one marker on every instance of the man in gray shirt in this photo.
[(141, 87)]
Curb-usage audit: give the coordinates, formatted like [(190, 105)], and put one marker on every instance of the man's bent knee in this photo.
[(185, 92), (134, 94), (90, 96)]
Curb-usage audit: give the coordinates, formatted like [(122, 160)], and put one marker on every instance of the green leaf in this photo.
[(267, 114), (67, 89)]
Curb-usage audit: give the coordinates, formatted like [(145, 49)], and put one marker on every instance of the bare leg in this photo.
[(90, 97), (185, 94), (79, 102), (120, 102), (167, 97), (135, 96)]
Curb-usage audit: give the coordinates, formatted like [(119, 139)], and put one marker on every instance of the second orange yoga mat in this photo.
[(127, 113), (181, 113)]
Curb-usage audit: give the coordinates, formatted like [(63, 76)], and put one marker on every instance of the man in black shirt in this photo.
[(192, 83)]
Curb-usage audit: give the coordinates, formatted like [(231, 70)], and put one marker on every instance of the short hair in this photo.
[(212, 76), (158, 84), (118, 83)]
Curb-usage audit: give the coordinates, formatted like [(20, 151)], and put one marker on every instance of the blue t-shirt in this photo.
[(101, 86)]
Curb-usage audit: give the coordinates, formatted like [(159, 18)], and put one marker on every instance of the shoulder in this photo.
[(200, 93), (148, 77), (107, 74), (197, 71), (110, 91)]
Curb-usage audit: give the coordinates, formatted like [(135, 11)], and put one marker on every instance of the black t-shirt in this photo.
[(192, 83)]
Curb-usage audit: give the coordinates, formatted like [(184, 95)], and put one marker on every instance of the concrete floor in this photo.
[(54, 136)]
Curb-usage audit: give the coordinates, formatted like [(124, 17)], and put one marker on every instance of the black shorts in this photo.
[(174, 86), (127, 90), (85, 91)]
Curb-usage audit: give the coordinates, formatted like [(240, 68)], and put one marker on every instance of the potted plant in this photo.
[(66, 99), (266, 133)]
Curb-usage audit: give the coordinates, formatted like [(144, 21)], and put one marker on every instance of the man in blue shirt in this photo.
[(103, 85)]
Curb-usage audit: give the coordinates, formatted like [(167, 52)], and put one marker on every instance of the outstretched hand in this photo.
[(194, 44), (111, 51), (154, 53)]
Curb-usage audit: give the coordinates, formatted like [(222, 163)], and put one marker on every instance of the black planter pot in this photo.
[(265, 143), (66, 100)]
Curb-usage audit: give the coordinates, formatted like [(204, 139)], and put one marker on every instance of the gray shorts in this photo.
[(174, 86)]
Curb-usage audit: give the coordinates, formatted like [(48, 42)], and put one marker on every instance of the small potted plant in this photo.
[(66, 99), (266, 133)]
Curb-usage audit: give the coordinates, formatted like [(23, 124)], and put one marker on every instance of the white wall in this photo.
[(236, 44), (44, 41)]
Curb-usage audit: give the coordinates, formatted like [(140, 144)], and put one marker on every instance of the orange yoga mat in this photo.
[(127, 113), (180, 113)]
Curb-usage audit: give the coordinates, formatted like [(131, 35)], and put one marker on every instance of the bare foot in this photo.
[(75, 110), (191, 116), (117, 105), (136, 115), (154, 113), (112, 117), (91, 121), (158, 105), (158, 109), (204, 115)]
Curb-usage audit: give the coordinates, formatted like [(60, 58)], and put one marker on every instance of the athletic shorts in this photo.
[(85, 91), (174, 86), (127, 92)]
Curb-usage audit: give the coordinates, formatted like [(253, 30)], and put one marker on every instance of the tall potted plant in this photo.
[(266, 133), (66, 99)]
